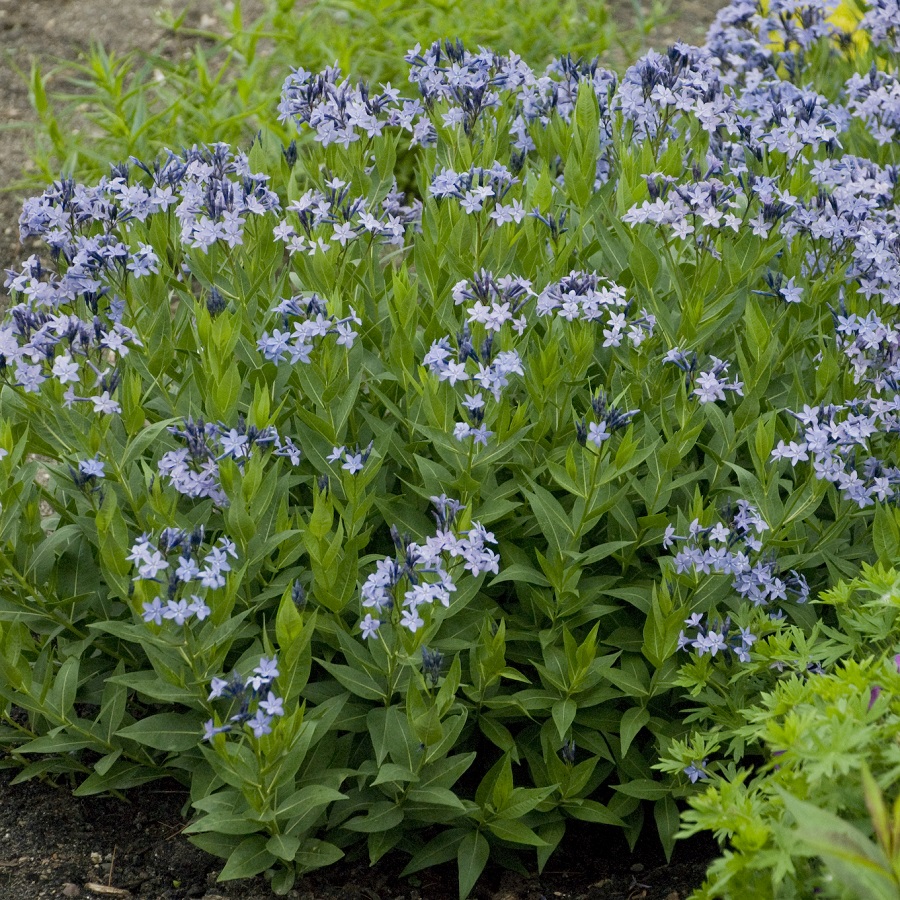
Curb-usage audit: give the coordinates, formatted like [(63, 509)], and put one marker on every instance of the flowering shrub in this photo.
[(580, 338), (226, 88)]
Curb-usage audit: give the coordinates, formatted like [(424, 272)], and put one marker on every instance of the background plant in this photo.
[(140, 103), (828, 743)]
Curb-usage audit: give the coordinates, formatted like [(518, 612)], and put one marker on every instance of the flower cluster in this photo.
[(882, 23), (707, 386), (834, 435), (784, 118), (194, 469), (717, 636), (588, 297), (872, 347), (875, 99), (67, 217), (87, 227), (734, 547), (609, 419), (478, 186), (213, 205), (852, 213), (496, 300), (212, 191), (699, 208), (381, 590), (62, 347), (492, 376), (257, 691), (351, 462), (321, 219), (432, 663), (659, 90), (207, 572), (752, 41), (470, 85), (315, 322), (467, 82), (467, 85), (493, 371), (339, 112)]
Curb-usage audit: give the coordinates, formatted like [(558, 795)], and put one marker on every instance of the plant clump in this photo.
[(486, 458)]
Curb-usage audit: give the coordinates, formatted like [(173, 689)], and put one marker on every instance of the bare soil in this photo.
[(55, 845)]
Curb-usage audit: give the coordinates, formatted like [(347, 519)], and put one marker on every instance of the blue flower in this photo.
[(272, 705), (177, 610), (260, 724), (210, 729), (218, 685), (153, 611), (265, 672), (696, 771), (369, 626)]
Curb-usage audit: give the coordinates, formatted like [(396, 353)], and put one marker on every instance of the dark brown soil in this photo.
[(54, 845)]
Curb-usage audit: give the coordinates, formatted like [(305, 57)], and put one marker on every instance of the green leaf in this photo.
[(643, 789), (520, 572), (148, 436), (601, 551), (283, 846), (62, 695), (497, 733), (356, 681), (643, 263), (58, 743), (665, 811), (438, 850), (592, 811), (308, 797), (633, 720), (563, 713), (316, 854), (382, 816), (121, 776), (886, 534), (471, 859), (855, 861), (249, 858), (150, 685), (172, 732), (225, 822), (516, 832), (288, 621), (551, 517), (388, 772), (283, 878), (435, 796)]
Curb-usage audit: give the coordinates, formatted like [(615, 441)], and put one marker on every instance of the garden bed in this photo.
[(53, 844)]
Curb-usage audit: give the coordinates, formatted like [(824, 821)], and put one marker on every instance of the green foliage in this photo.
[(143, 102), (544, 680), (810, 817)]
